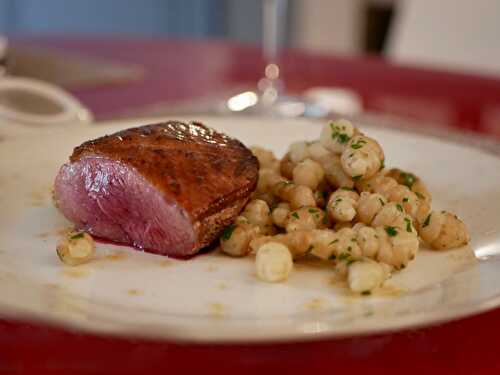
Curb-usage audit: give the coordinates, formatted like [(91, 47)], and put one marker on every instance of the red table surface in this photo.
[(178, 70)]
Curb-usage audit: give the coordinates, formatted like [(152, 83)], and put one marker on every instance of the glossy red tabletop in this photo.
[(176, 71)]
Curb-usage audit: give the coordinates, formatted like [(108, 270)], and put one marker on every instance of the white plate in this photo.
[(217, 298)]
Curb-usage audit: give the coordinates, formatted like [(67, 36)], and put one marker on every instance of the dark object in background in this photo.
[(378, 20)]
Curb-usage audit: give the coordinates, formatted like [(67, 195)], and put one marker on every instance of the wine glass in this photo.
[(269, 97)]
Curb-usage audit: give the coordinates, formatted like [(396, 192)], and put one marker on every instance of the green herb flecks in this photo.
[(296, 215), (346, 188), (382, 165), (343, 138), (427, 220), (405, 200), (408, 225), (408, 179), (338, 135), (357, 178), (76, 236), (344, 256), (399, 207), (391, 231), (358, 145), (228, 232), (313, 210), (334, 241), (419, 195)]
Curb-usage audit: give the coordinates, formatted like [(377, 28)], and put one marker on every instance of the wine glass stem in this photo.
[(273, 23)]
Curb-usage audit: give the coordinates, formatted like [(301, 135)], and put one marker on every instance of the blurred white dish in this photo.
[(213, 297), (27, 101), (32, 102)]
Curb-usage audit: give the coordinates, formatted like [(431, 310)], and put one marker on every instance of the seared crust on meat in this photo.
[(208, 174)]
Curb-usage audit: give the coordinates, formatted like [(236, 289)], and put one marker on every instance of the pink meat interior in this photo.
[(112, 201)]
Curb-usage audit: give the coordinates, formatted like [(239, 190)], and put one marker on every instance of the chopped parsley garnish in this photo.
[(419, 194), (343, 138), (312, 211), (366, 293), (336, 134), (399, 207), (296, 215), (228, 232), (408, 225), (76, 236), (405, 200), (358, 145), (350, 261), (381, 201), (408, 179), (334, 241), (382, 164), (344, 256), (427, 221), (357, 178), (391, 231), (346, 188)]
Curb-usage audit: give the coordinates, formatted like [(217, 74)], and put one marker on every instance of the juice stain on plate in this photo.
[(388, 290), (222, 285), (39, 197), (166, 263), (116, 256), (135, 292), (59, 232), (52, 286), (76, 273), (311, 264), (43, 235), (316, 304), (217, 309)]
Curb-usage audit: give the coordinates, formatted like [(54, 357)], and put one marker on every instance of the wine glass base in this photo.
[(253, 104)]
